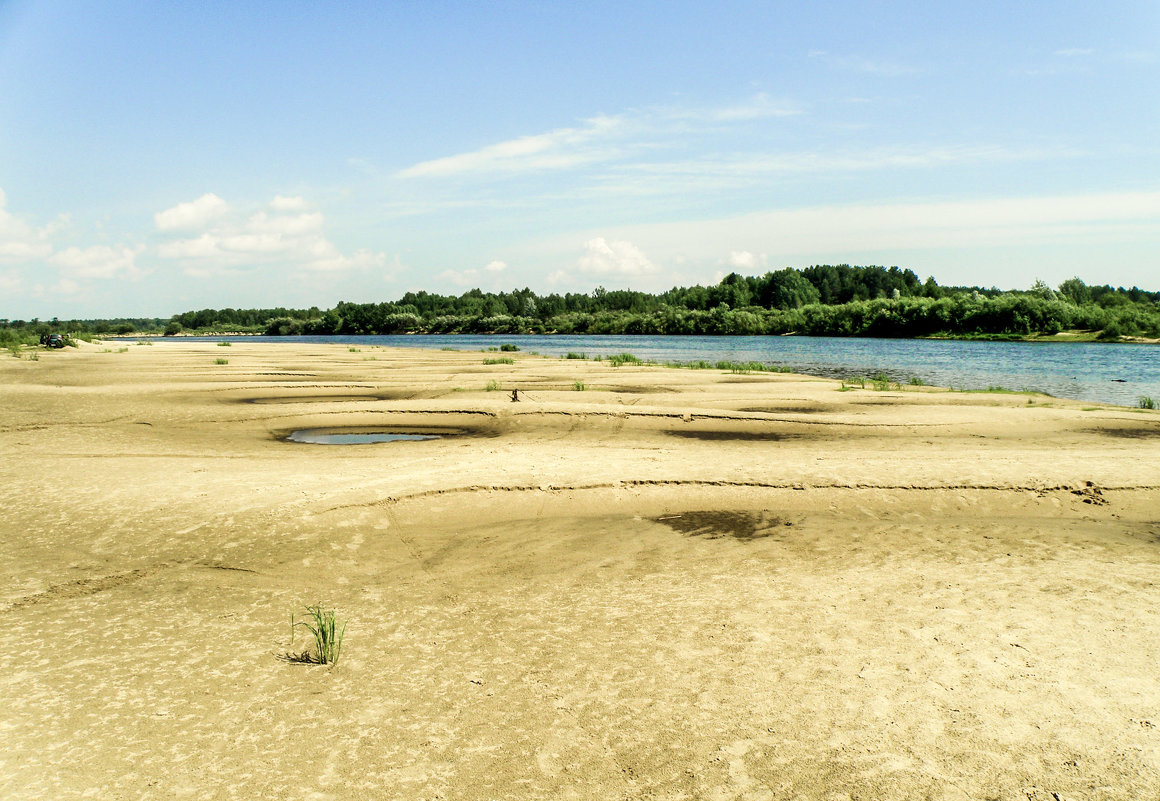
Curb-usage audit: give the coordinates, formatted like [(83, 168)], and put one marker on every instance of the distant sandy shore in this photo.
[(636, 582)]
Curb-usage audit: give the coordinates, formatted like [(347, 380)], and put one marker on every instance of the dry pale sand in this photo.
[(676, 584)]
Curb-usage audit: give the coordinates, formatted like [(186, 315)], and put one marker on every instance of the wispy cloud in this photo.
[(558, 149), (600, 139), (830, 231), (850, 62)]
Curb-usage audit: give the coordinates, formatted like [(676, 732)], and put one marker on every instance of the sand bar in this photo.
[(674, 584)]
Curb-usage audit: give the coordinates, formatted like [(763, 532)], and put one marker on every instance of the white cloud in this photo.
[(744, 260), (98, 261), (19, 241), (472, 276), (10, 282), (65, 286), (287, 235), (602, 257), (192, 215), (282, 203)]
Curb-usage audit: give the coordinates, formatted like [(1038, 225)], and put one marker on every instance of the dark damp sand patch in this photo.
[(1128, 433), (384, 396), (719, 435), (714, 525), (634, 390), (805, 408), (324, 436)]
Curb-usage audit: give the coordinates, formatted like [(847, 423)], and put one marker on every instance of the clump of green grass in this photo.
[(323, 626), (743, 367), (447, 349), (224, 344), (915, 381), (853, 382), (579, 386), (492, 386), (880, 382), (221, 361), (1146, 402), (507, 347), (624, 358), (355, 350), (500, 360), (144, 342), (34, 357), (571, 355)]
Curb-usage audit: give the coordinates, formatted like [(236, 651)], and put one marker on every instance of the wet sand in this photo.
[(674, 584)]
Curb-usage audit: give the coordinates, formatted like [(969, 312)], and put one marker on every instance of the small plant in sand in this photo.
[(355, 350), (579, 386), (492, 386), (915, 381), (1146, 402), (221, 361), (34, 357), (224, 344), (323, 626), (881, 382), (571, 355), (507, 347), (500, 360)]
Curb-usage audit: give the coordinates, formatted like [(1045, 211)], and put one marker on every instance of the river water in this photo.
[(1106, 373)]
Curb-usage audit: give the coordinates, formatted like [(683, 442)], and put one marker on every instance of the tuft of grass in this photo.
[(144, 342), (500, 360), (221, 361), (571, 355), (915, 381), (1146, 402), (624, 358), (507, 347), (853, 381), (224, 344), (323, 626), (492, 386), (355, 350), (880, 382), (579, 386), (447, 349), (34, 357)]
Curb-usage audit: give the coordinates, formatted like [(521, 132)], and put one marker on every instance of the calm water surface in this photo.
[(1100, 372)]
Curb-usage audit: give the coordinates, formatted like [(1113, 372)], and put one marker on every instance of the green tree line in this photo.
[(823, 300)]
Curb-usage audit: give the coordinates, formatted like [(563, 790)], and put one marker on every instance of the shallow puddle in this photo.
[(322, 436)]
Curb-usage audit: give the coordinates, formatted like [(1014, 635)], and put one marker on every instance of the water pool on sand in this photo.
[(321, 436)]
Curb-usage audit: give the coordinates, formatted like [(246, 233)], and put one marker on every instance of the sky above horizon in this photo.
[(162, 157)]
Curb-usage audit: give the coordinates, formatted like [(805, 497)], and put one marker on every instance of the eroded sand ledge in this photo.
[(674, 584)]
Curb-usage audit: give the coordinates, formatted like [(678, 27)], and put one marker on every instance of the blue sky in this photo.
[(161, 157)]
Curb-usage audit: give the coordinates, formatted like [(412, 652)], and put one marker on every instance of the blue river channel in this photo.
[(1099, 372)]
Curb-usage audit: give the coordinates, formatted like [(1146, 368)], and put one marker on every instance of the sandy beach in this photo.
[(669, 584)]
